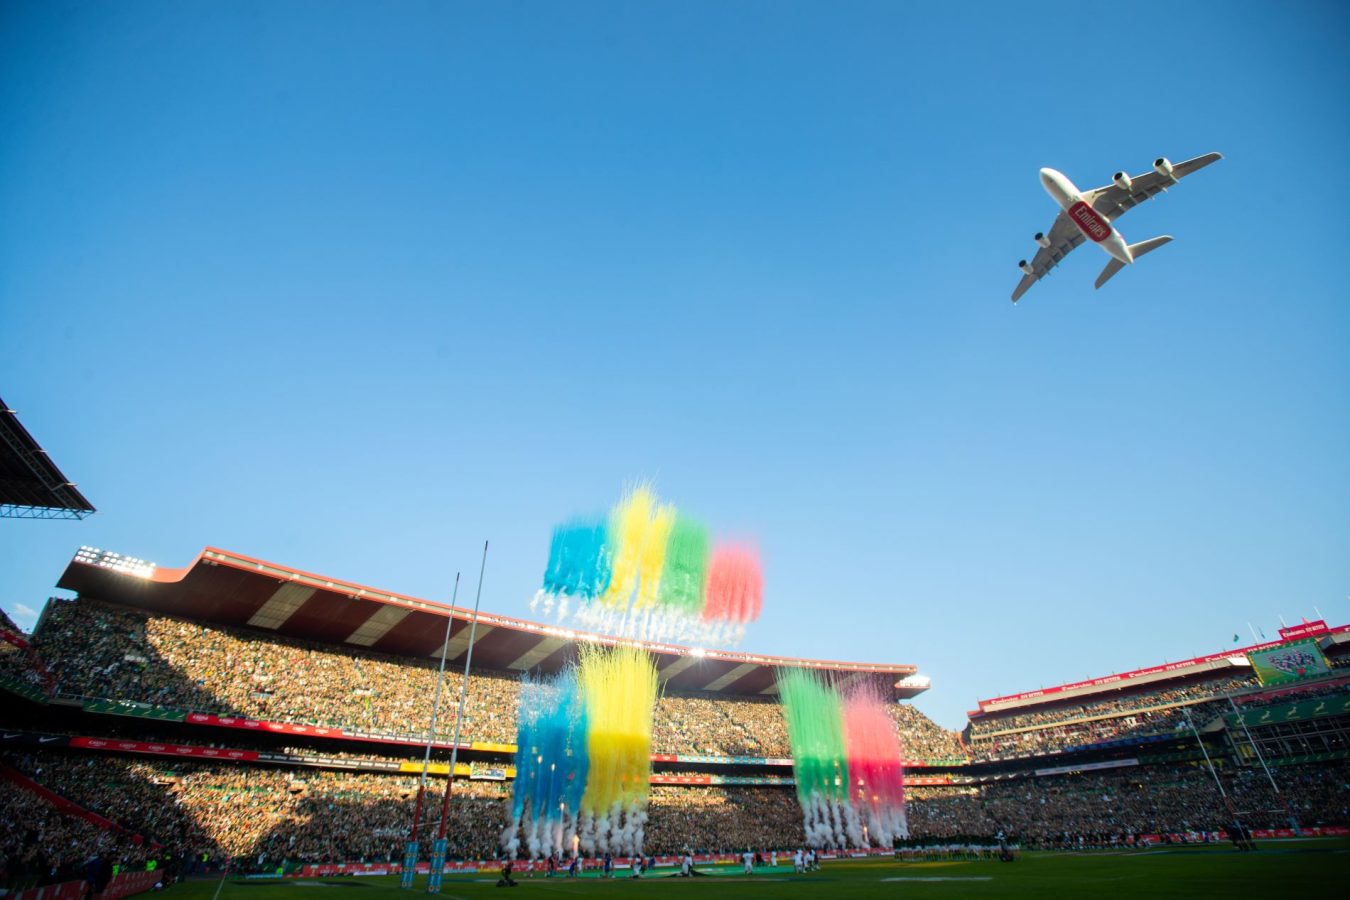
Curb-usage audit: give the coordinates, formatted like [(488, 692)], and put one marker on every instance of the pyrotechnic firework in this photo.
[(649, 572), (551, 765), (876, 774), (620, 689), (846, 759), (583, 757)]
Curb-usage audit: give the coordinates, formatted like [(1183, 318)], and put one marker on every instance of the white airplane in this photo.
[(1088, 215)]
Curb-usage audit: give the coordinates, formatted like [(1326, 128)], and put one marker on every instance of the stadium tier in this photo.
[(1149, 705), (263, 818), (223, 588), (242, 710)]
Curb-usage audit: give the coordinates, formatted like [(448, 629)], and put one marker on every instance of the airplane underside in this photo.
[(1087, 216)]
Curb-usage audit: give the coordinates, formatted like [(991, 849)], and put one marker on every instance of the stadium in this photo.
[(817, 568), (244, 714), (243, 719)]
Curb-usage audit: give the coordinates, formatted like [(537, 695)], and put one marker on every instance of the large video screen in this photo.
[(1292, 662)]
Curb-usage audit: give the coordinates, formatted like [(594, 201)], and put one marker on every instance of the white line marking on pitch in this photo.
[(940, 878)]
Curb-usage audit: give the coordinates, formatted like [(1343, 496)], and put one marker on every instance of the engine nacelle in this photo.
[(1123, 181), (1163, 167), (1042, 239), (1026, 267)]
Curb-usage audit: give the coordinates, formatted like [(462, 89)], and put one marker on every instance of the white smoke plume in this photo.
[(510, 839), (853, 827), (587, 832)]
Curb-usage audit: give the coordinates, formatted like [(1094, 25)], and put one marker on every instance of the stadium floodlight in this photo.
[(116, 562)]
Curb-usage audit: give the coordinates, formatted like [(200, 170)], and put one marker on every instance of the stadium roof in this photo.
[(229, 589), (31, 486)]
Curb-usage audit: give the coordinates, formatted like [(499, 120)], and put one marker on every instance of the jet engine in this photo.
[(1042, 239), (1123, 181), (1162, 167), (1026, 267)]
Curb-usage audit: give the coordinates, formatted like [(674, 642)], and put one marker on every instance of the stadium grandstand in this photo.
[(242, 711), (1151, 704), (31, 485)]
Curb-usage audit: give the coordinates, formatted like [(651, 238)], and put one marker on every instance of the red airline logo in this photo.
[(1089, 221)]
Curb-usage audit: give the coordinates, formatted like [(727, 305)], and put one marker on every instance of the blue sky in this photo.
[(354, 286)]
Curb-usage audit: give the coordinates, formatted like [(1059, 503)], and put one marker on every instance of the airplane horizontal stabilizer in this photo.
[(1136, 251)]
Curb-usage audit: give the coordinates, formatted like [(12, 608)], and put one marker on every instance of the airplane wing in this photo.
[(1112, 200), (1064, 236)]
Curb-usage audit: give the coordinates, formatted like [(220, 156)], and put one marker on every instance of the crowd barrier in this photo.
[(472, 770), (121, 886), (340, 733)]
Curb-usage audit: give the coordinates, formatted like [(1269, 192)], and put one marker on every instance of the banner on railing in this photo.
[(156, 748), (24, 689), (1296, 711), (135, 710), (1088, 767)]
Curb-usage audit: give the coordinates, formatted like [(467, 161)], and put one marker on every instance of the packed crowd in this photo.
[(922, 738), (123, 791), (264, 817), (19, 665), (1116, 705), (718, 725), (1151, 712), (111, 652), (1106, 807), (1092, 731), (18, 668), (722, 819), (117, 653), (697, 725), (39, 845)]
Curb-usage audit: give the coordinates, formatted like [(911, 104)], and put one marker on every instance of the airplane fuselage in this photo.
[(1095, 227)]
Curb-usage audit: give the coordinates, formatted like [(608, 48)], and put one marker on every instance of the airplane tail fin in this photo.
[(1136, 251)]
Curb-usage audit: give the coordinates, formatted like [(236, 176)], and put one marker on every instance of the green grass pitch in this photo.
[(1275, 869)]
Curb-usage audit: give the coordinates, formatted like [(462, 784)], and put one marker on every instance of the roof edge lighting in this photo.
[(106, 559)]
